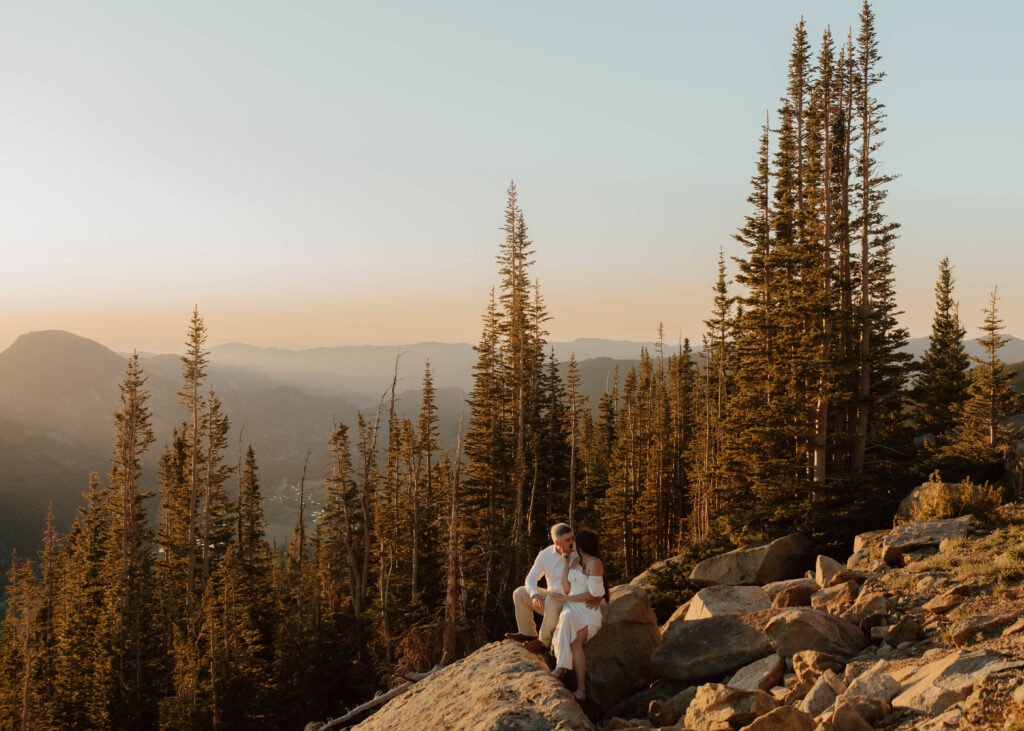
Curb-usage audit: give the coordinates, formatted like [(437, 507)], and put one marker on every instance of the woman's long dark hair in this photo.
[(586, 540)]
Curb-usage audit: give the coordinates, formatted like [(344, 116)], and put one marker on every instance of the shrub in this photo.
[(950, 499)]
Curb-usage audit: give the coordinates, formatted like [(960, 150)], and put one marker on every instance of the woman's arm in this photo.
[(565, 576)]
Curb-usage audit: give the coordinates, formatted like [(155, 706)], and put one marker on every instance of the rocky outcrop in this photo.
[(501, 685), (620, 651), (941, 683), (705, 649), (809, 629), (715, 601), (757, 563), (921, 534)]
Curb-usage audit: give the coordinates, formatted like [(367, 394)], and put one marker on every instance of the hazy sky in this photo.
[(323, 173)]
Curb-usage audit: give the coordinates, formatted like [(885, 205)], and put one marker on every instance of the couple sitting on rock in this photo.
[(571, 604)]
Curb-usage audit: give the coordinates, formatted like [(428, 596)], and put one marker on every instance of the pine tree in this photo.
[(194, 364), (983, 432), (940, 389), (128, 562), (19, 649), (880, 339)]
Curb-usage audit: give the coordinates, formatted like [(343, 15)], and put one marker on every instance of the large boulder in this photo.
[(921, 534), (941, 683), (809, 629), (715, 601), (499, 686), (717, 704), (757, 563), (707, 649), (621, 649)]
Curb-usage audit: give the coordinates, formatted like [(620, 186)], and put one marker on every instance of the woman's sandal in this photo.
[(580, 695)]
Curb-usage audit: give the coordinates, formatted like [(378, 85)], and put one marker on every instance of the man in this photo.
[(551, 563)]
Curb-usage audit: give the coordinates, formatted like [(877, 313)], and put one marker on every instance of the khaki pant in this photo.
[(525, 610)]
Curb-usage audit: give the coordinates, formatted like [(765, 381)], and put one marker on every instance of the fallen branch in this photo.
[(380, 699)]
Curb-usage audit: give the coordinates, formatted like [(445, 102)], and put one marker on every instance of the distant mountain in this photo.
[(360, 370), (1012, 352), (59, 392)]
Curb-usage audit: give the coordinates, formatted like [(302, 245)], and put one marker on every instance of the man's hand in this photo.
[(594, 603), (538, 604)]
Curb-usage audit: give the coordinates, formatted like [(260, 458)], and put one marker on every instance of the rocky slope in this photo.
[(922, 628)]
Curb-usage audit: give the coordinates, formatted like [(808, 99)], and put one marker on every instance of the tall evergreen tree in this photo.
[(983, 432), (940, 388)]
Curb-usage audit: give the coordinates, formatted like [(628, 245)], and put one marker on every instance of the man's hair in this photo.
[(558, 530)]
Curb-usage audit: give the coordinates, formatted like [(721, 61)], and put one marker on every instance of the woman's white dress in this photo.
[(576, 615)]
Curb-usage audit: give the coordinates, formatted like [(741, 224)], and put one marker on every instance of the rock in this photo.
[(941, 683), (715, 601), (783, 718), (1018, 695), (809, 664), (867, 549), (947, 721), (964, 631), (943, 603), (795, 596), (757, 563), (779, 693), (907, 629), (824, 569), (800, 629), (629, 633), (845, 717), (501, 685), (823, 693), (869, 609), (677, 616), (1014, 628), (667, 712), (759, 675), (639, 703), (868, 708), (911, 536), (715, 704), (844, 575), (705, 649), (835, 599), (875, 683), (777, 587)]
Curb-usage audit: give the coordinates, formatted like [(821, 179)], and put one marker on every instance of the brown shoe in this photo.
[(535, 646), (519, 637)]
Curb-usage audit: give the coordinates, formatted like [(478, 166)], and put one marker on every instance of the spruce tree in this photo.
[(940, 388), (983, 432)]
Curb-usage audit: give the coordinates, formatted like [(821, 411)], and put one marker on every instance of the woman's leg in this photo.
[(579, 662), (561, 643)]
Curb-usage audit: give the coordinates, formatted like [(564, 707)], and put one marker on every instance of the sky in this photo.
[(334, 173)]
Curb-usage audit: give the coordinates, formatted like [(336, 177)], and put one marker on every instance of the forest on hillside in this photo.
[(797, 410)]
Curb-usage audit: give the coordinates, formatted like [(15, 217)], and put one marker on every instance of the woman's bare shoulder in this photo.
[(595, 567)]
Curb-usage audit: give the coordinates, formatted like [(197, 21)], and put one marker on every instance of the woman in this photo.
[(583, 580)]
